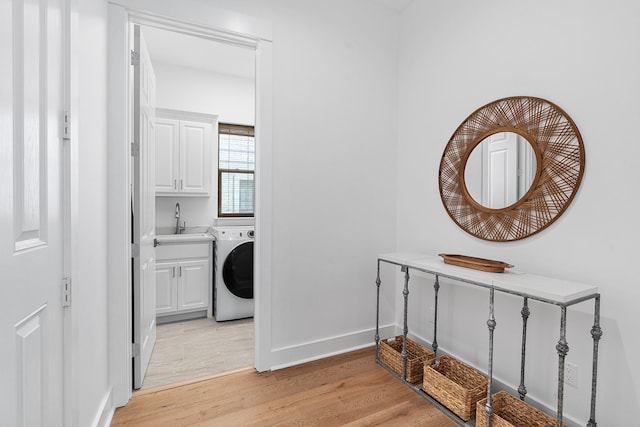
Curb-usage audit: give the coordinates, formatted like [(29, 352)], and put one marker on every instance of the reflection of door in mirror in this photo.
[(500, 170)]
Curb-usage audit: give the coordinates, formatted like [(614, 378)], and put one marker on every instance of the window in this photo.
[(236, 166)]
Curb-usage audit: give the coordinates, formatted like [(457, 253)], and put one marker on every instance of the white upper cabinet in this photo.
[(184, 144), (167, 155), (195, 149)]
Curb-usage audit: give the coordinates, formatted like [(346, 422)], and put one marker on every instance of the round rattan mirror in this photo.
[(559, 166)]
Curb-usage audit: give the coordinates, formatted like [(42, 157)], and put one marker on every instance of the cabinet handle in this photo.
[(175, 184), (174, 271), (180, 271), (182, 184)]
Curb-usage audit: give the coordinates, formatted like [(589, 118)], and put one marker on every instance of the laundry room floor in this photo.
[(195, 348)]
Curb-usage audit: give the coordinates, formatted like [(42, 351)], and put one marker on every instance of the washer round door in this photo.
[(237, 270)]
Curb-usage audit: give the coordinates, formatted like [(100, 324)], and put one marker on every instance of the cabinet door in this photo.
[(166, 288), (167, 155), (193, 284), (195, 157)]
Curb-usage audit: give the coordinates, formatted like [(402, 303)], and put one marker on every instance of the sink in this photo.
[(190, 234)]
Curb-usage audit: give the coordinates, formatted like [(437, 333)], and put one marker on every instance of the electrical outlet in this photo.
[(571, 375)]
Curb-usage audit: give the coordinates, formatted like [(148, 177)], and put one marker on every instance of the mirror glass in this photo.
[(500, 170)]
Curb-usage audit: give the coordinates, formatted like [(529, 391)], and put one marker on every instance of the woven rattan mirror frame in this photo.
[(560, 157)]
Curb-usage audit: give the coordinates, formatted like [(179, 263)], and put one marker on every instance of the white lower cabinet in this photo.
[(166, 288), (182, 285)]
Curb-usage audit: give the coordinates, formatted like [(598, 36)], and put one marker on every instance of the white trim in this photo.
[(262, 216), (168, 113), (197, 20), (119, 202), (191, 29), (105, 411), (285, 357), (223, 25), (70, 206)]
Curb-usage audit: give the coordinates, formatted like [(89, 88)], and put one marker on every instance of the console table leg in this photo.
[(596, 334), (434, 345), (522, 390), (377, 336), (491, 323), (563, 348), (405, 330)]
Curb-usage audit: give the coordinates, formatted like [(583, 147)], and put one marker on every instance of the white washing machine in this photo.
[(233, 273)]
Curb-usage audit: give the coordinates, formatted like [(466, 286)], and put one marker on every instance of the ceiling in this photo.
[(194, 52)]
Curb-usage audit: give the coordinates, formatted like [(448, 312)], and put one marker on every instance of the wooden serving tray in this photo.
[(481, 264)]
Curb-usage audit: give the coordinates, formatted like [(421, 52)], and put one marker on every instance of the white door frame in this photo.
[(216, 24), (70, 204)]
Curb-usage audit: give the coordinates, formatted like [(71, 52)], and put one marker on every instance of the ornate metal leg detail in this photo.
[(377, 336), (596, 334), (563, 348), (405, 330), (434, 345), (522, 390), (491, 323)]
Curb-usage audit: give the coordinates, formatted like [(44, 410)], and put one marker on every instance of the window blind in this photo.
[(236, 166)]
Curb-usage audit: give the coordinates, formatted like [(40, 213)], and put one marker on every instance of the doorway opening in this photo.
[(212, 23), (198, 82)]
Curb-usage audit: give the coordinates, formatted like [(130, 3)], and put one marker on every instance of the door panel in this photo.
[(144, 287), (31, 247), (500, 183), (195, 157), (166, 282), (167, 141), (193, 281)]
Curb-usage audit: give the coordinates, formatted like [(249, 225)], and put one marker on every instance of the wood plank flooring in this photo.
[(344, 390), (199, 347)]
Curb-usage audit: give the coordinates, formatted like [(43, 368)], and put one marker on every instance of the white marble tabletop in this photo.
[(512, 281)]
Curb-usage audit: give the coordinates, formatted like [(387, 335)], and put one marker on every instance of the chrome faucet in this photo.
[(179, 229)]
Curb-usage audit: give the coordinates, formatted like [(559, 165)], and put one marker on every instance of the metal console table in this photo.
[(528, 286)]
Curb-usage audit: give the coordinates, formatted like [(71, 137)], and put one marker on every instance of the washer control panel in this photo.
[(233, 233)]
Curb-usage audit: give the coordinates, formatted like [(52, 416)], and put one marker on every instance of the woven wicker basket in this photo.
[(509, 411), (417, 357), (456, 385)]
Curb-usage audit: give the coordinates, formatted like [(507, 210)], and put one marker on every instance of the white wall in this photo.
[(90, 362), (339, 198), (583, 56), (231, 98), (335, 115), (333, 210)]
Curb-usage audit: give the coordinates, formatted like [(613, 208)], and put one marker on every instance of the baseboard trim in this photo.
[(105, 411), (284, 357), (180, 317)]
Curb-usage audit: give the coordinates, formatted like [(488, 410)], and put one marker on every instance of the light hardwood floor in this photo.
[(345, 390), (195, 348)]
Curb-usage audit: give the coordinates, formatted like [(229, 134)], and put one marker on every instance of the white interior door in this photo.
[(31, 242), (500, 183), (143, 152)]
